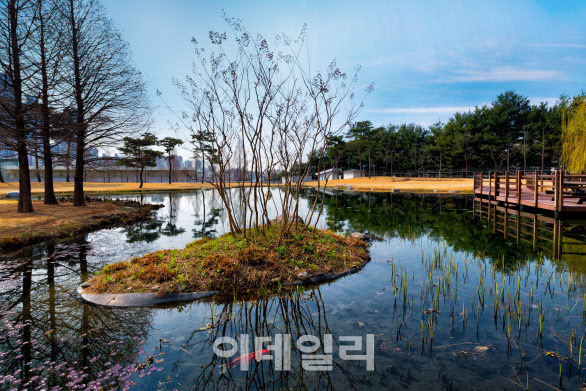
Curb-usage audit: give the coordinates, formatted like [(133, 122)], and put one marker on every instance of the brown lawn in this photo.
[(55, 221), (91, 187), (383, 183), (46, 217)]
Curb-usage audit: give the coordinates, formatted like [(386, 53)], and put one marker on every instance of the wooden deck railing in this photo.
[(559, 191)]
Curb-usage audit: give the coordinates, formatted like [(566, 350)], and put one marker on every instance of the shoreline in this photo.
[(375, 184), (63, 220), (400, 184)]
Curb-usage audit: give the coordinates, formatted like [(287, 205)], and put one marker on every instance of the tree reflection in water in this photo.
[(207, 217), (50, 339), (297, 315)]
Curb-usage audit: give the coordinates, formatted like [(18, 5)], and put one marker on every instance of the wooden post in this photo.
[(481, 182), (534, 232), (556, 191), (506, 222), (507, 187), (561, 179), (518, 230), (555, 237), (536, 188), (560, 238), (558, 195), (519, 187), (496, 185), (490, 186), (494, 220)]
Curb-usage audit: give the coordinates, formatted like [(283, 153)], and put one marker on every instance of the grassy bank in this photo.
[(383, 183), (63, 220), (235, 265)]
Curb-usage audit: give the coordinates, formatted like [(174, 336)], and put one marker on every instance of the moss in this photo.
[(245, 264)]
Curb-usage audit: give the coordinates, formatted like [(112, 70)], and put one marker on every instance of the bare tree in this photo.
[(48, 49), (16, 28), (263, 111), (108, 94)]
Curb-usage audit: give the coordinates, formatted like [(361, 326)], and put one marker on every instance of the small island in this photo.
[(252, 263)]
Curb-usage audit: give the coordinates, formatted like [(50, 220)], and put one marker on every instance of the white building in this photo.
[(332, 173), (349, 174)]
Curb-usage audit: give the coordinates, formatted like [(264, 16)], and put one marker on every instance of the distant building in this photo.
[(349, 174), (332, 173)]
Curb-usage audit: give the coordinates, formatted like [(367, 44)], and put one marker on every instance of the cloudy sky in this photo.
[(428, 59)]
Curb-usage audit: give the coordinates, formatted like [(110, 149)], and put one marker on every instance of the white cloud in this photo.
[(559, 45), (449, 110), (500, 74), (423, 110)]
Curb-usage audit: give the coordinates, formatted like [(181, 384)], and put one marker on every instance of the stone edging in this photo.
[(151, 299), (139, 299), (327, 277)]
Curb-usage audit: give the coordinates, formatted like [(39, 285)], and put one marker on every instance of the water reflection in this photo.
[(295, 316), (435, 259), (49, 338), (563, 240)]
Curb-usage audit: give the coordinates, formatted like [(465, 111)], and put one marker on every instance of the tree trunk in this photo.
[(67, 162), (141, 172), (170, 168), (1, 176), (78, 196), (37, 165), (369, 164), (50, 198), (25, 204), (203, 168), (542, 151)]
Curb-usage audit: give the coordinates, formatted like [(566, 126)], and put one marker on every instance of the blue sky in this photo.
[(427, 59)]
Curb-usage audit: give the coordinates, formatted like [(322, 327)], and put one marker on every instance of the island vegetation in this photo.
[(236, 264)]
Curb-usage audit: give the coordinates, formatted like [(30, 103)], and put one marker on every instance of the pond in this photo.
[(458, 295)]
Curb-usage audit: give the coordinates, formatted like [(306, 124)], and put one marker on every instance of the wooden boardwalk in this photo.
[(559, 192)]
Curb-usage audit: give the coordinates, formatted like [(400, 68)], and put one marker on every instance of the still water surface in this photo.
[(457, 296)]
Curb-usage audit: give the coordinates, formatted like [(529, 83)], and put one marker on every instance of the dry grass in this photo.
[(232, 264), (91, 187), (49, 221), (383, 183)]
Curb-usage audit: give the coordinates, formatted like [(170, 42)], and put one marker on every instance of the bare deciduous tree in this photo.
[(108, 94), (49, 51), (263, 111), (16, 28)]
